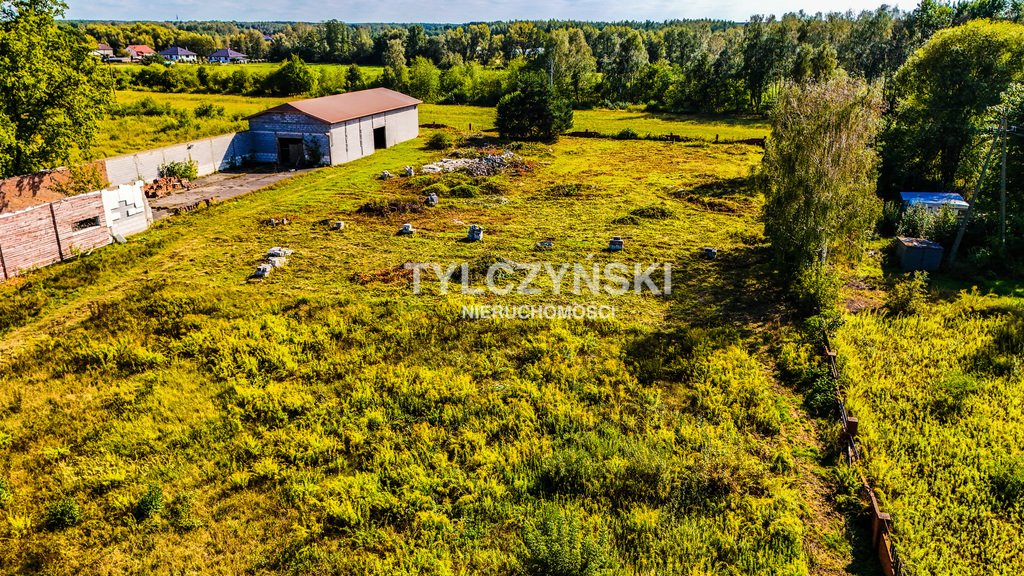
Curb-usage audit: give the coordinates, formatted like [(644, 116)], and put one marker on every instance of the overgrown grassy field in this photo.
[(939, 398), (132, 133), (124, 135), (160, 413)]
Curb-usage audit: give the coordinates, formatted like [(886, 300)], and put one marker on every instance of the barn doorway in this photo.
[(290, 152), (380, 138)]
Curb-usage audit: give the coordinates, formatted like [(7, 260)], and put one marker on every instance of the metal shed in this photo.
[(918, 254), (334, 129), (934, 200)]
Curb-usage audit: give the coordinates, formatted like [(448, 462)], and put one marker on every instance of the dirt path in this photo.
[(217, 187)]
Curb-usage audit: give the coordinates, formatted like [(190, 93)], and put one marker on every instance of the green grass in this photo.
[(118, 136), (611, 122), (328, 419)]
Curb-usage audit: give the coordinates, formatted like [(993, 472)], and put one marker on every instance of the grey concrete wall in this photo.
[(210, 154)]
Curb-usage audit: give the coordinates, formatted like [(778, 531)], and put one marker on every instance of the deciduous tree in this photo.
[(52, 90)]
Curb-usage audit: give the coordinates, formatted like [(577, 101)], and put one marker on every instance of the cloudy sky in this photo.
[(452, 10)]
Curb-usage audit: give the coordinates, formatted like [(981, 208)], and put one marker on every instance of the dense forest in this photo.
[(691, 66)]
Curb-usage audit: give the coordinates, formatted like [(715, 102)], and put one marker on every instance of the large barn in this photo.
[(333, 129)]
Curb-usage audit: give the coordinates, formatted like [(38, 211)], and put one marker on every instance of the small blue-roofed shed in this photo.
[(933, 200)]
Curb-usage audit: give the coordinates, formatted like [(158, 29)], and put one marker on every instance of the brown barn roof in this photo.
[(349, 106)]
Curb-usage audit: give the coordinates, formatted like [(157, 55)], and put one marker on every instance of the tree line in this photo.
[(677, 66)]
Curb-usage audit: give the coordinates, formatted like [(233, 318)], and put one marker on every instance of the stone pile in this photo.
[(615, 244), (709, 253), (409, 172), (276, 257), (476, 233), (406, 230), (483, 166), (431, 200), (544, 245), (337, 225)]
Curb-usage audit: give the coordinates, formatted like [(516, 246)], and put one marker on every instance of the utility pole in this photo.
[(1002, 192), (971, 203)]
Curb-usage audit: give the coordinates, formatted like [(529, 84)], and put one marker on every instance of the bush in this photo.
[(627, 134), (151, 502), (440, 141), (917, 221), (464, 191), (186, 169), (6, 494), (907, 294), (145, 107), (627, 220), (437, 188), (181, 513), (816, 288), (208, 110), (652, 212), (556, 546), (1008, 482), (63, 513)]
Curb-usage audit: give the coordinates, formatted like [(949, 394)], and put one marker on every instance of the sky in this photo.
[(454, 11)]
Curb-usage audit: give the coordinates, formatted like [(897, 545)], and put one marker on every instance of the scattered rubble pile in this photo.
[(163, 186), (483, 166)]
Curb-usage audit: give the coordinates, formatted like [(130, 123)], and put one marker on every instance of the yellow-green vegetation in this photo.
[(160, 412), (938, 395), (125, 134)]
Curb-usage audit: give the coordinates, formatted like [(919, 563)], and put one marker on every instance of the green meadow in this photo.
[(119, 135), (159, 411)]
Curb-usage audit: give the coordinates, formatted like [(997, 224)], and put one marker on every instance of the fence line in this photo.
[(881, 522)]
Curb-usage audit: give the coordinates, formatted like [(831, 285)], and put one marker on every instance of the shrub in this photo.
[(186, 169), (627, 220), (907, 294), (145, 107), (181, 513), (556, 546), (816, 288), (440, 141), (1008, 482), (150, 503), (627, 134), (208, 110), (6, 494), (652, 212), (951, 392), (464, 191), (437, 188), (63, 513)]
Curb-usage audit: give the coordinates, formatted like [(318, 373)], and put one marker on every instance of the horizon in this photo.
[(458, 11)]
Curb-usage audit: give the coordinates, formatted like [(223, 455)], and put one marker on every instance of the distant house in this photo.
[(103, 51), (176, 54), (268, 38), (333, 129), (933, 201), (139, 51), (228, 56)]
